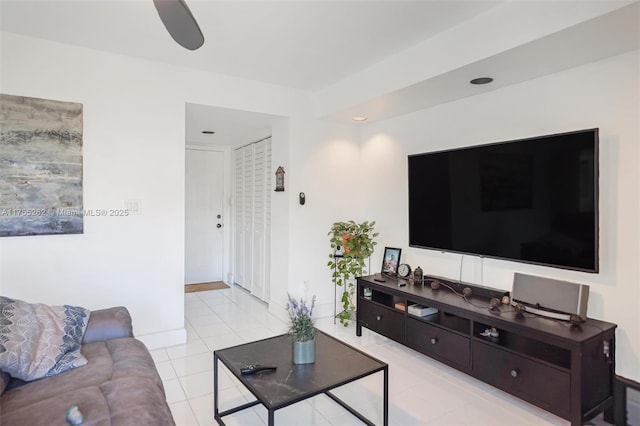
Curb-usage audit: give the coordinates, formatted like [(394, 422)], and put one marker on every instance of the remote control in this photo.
[(254, 368), (380, 280)]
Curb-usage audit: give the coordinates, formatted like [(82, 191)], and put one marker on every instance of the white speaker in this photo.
[(549, 297)]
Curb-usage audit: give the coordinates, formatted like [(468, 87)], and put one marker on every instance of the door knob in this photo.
[(219, 225)]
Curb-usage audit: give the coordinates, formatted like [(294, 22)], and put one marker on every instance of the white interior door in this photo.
[(204, 221)]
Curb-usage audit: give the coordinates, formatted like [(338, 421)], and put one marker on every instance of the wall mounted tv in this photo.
[(531, 200)]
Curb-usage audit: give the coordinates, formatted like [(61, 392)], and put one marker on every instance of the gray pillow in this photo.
[(38, 340)]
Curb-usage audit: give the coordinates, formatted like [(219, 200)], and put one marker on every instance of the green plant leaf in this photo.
[(359, 246)]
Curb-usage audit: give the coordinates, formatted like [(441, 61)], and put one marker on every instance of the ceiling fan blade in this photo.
[(180, 23)]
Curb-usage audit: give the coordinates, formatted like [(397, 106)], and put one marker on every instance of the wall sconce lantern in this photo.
[(280, 179)]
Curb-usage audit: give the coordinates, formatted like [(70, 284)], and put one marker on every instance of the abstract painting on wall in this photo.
[(40, 167)]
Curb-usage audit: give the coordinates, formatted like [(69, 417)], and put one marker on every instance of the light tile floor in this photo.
[(421, 390)]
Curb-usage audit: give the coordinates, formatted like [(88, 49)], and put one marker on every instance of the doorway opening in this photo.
[(229, 241)]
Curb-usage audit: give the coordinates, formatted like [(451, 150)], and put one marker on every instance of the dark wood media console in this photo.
[(565, 369)]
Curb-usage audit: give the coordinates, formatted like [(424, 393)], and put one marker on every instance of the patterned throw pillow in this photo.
[(38, 340)]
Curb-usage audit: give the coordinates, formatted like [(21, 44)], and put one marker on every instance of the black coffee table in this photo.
[(336, 364)]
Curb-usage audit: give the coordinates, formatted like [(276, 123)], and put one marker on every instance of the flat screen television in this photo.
[(532, 200)]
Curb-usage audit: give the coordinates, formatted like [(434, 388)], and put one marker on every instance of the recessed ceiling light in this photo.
[(481, 80), (359, 118), (208, 132)]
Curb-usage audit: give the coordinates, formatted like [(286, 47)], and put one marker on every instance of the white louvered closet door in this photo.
[(238, 217), (252, 213), (247, 216), (267, 224), (261, 208)]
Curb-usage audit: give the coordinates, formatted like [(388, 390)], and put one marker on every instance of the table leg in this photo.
[(271, 417), (385, 408), (216, 414)]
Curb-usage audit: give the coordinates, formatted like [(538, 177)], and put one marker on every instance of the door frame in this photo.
[(226, 204)]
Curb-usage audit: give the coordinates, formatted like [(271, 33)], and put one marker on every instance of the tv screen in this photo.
[(531, 200)]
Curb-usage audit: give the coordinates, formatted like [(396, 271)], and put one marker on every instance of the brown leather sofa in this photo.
[(119, 385)]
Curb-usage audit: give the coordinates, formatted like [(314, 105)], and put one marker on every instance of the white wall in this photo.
[(604, 94), (134, 147), (279, 266), (324, 165)]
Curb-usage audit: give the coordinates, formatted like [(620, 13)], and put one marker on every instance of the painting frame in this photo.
[(391, 260), (41, 166)]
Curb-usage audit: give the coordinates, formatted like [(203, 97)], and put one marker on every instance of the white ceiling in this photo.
[(283, 43), (279, 42), (231, 127)]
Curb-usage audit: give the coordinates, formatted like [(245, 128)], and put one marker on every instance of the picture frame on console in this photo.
[(391, 260)]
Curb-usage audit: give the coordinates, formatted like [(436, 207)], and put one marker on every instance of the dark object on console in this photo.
[(448, 285), (494, 305), (520, 308), (576, 319), (119, 385), (418, 276)]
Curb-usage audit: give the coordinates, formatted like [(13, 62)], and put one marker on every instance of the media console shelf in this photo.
[(565, 369)]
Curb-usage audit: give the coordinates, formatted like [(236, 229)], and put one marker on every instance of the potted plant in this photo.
[(351, 244), (302, 330)]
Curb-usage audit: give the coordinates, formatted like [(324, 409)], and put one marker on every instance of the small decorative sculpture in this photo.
[(418, 276), (280, 179)]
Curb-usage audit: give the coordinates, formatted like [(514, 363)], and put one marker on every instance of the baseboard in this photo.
[(323, 310), (164, 339), (279, 311), (320, 310)]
